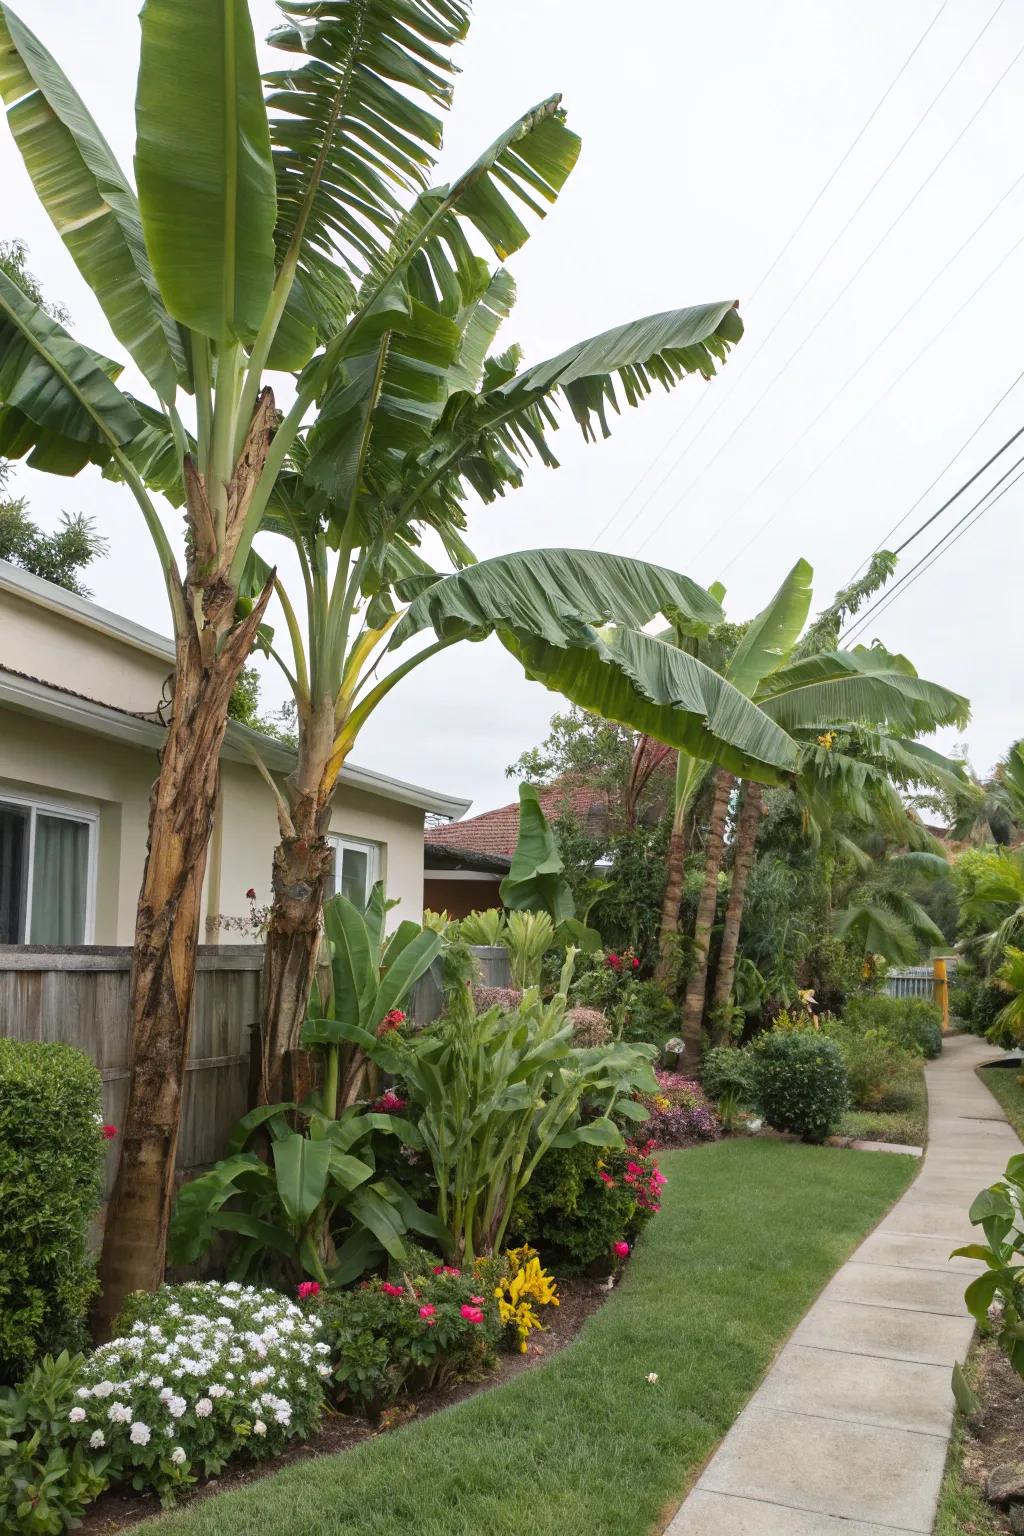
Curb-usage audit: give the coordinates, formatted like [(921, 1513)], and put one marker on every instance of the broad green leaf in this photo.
[(353, 962), (357, 1253), (536, 879), (90, 201), (405, 969), (273, 1116), (862, 685), (57, 385), (302, 1168), (191, 1226), (264, 1232), (203, 165), (478, 324), (349, 1172), (386, 1224), (769, 638)]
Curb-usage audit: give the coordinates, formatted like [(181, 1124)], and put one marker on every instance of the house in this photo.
[(466, 861), (81, 694)]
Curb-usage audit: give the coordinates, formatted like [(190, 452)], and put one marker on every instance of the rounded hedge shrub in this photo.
[(801, 1083), (51, 1153)]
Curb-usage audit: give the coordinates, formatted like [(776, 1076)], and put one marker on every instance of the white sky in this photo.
[(708, 129)]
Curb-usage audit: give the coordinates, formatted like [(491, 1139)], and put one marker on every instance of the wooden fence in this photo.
[(80, 996)]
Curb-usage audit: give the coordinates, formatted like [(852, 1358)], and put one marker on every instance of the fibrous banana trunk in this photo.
[(302, 863), (211, 649), (693, 1005), (744, 848)]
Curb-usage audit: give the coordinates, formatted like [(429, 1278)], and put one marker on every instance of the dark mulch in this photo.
[(996, 1434), (117, 1509)]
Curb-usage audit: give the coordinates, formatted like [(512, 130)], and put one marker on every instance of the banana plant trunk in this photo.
[(210, 652), (675, 863), (693, 1003), (302, 864), (747, 826)]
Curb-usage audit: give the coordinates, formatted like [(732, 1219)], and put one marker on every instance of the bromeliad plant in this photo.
[(318, 1206), (490, 1094)]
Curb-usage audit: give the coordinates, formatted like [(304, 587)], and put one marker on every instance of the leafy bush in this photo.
[(51, 1149), (727, 1070), (912, 1022), (45, 1483), (801, 1082), (679, 1112), (639, 1011), (976, 1001), (422, 1327), (581, 1200), (996, 1211), (200, 1373), (874, 1063)]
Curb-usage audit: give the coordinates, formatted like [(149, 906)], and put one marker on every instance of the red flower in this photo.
[(446, 1269), (392, 1290), (393, 1020), (250, 894), (621, 1249), (636, 963), (472, 1314), (605, 1178), (309, 1288), (614, 961), (389, 1103), (109, 1132), (428, 1311)]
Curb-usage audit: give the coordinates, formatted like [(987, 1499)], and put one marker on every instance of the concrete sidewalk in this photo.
[(847, 1434)]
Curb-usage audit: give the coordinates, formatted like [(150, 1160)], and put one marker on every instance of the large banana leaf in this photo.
[(351, 128), (546, 607), (863, 684), (86, 194), (770, 637), (62, 393), (536, 879), (203, 165)]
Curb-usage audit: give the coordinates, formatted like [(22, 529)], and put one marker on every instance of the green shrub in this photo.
[(801, 1082), (384, 1336), (975, 1002), (874, 1063), (727, 1070), (581, 1200), (45, 1482), (51, 1151), (913, 1022)]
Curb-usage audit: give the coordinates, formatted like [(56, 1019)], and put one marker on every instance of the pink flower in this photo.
[(308, 1288), (109, 1132), (636, 963), (250, 894), (389, 1103), (392, 1290), (446, 1269), (621, 1249), (605, 1177), (472, 1314), (477, 1301), (393, 1020), (428, 1311), (614, 961)]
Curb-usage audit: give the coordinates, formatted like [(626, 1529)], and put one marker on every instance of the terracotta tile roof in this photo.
[(497, 831)]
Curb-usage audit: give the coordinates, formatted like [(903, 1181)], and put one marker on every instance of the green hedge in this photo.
[(801, 1081), (913, 1022), (51, 1152)]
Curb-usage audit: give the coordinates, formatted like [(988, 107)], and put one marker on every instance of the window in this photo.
[(47, 873), (355, 868)]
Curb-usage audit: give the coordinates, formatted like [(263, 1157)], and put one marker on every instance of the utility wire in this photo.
[(815, 328), (765, 275), (792, 496), (968, 518)]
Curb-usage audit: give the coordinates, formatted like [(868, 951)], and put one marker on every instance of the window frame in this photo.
[(339, 841), (87, 815)]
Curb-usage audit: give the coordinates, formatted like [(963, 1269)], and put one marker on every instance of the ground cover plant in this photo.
[(1007, 1086), (587, 1441)]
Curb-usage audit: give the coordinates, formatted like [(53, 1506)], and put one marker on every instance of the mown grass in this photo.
[(1002, 1083), (583, 1445)]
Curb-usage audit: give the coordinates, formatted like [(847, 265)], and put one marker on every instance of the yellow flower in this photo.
[(826, 739)]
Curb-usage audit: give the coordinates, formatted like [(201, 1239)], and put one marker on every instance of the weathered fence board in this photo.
[(80, 995), (916, 980)]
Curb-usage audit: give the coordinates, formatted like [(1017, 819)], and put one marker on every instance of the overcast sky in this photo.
[(708, 130)]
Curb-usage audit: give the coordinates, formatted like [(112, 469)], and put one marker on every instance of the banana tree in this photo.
[(846, 773), (270, 235), (574, 619)]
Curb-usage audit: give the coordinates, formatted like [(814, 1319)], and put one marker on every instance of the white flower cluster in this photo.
[(206, 1371)]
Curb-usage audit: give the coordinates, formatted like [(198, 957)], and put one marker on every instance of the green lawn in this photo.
[(582, 1445), (1002, 1083)]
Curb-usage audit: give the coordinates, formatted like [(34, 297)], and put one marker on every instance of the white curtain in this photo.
[(60, 874)]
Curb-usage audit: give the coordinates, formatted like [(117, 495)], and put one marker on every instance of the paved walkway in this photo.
[(847, 1434)]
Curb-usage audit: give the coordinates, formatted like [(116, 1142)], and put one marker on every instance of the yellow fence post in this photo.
[(941, 991)]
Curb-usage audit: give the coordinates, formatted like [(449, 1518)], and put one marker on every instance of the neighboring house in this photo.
[(465, 861), (81, 692)]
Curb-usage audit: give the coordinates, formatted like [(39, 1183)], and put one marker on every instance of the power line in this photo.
[(968, 518), (774, 515), (765, 275), (815, 328)]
